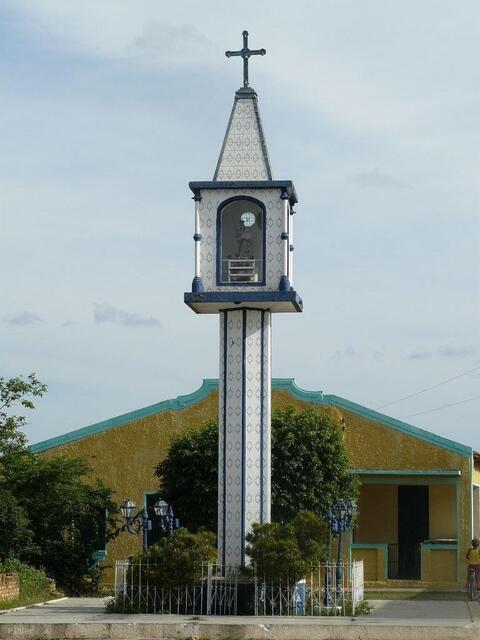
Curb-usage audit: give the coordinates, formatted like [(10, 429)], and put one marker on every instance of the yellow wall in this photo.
[(374, 564), (378, 511), (439, 565), (443, 511), (124, 457)]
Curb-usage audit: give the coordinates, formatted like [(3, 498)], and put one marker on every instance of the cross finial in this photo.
[(245, 53)]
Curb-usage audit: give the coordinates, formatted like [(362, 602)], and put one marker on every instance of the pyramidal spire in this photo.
[(244, 154)]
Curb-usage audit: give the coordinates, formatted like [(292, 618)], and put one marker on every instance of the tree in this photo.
[(189, 477), (69, 517), (15, 533), (51, 514), (309, 463), (309, 468), (16, 391)]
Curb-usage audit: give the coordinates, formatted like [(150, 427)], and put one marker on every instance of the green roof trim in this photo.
[(282, 384), (406, 472)]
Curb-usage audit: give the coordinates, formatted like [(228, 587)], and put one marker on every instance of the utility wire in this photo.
[(435, 386), (452, 404)]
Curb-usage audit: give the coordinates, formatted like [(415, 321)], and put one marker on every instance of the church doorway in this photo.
[(413, 529)]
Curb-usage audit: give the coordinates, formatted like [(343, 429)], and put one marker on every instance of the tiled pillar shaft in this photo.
[(244, 429)]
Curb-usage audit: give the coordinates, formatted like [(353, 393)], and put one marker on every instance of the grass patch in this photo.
[(28, 600), (416, 595)]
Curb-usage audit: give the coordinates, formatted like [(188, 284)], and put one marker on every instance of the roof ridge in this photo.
[(288, 384)]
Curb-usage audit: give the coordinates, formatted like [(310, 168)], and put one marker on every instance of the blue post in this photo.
[(145, 528), (170, 521)]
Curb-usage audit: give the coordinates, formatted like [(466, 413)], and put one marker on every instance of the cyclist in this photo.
[(473, 559)]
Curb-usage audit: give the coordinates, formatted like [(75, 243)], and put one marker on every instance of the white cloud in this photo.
[(173, 44), (376, 179), (23, 318), (105, 313)]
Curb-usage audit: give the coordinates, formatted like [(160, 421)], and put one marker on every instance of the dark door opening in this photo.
[(155, 531), (413, 528)]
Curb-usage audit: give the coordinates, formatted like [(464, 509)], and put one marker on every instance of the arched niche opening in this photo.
[(241, 235)]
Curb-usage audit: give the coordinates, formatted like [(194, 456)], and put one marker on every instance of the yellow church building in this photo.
[(419, 494)]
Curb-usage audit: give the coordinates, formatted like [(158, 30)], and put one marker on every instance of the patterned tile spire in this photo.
[(244, 153)]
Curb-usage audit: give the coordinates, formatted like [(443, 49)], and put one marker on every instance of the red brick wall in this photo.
[(9, 586)]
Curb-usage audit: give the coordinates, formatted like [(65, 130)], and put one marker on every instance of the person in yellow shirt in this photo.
[(473, 559)]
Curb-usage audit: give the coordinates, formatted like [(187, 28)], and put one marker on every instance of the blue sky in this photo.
[(110, 108)]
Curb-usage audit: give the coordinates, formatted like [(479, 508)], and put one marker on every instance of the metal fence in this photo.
[(220, 590), (137, 589), (328, 589)]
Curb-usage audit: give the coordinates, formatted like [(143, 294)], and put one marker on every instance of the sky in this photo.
[(110, 108)]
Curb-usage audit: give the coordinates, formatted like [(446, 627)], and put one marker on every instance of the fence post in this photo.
[(209, 589)]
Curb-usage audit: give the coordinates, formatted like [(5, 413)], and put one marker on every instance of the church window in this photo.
[(242, 238)]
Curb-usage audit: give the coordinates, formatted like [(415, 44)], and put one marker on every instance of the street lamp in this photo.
[(135, 522), (165, 512), (339, 518)]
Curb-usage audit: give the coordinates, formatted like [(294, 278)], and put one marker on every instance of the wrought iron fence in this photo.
[(328, 589), (220, 590), (136, 589)]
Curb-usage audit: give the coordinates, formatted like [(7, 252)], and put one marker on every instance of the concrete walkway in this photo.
[(85, 619)]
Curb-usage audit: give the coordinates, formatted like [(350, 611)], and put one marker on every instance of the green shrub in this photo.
[(33, 582), (175, 561), (284, 552)]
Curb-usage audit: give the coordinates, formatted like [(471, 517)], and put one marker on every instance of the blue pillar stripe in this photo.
[(244, 425), (262, 410), (224, 461)]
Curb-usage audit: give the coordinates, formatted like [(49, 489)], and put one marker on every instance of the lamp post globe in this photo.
[(340, 510), (128, 509), (351, 509), (160, 507)]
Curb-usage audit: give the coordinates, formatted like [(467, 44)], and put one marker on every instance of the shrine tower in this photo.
[(244, 273)]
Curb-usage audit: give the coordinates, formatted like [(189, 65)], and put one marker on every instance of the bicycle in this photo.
[(472, 590)]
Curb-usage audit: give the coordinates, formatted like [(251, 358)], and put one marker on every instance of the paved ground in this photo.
[(84, 618), (92, 610)]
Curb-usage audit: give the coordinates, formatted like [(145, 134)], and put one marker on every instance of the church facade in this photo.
[(419, 495)]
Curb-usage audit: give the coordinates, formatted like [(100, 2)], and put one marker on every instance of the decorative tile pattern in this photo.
[(244, 429), (208, 207), (243, 156)]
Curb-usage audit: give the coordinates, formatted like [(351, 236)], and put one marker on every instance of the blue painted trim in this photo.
[(458, 498), (284, 284), (244, 428), (197, 285), (225, 358), (238, 297), (246, 184), (220, 209), (262, 409), (198, 196), (284, 384), (444, 546)]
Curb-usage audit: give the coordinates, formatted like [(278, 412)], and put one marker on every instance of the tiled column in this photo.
[(244, 429)]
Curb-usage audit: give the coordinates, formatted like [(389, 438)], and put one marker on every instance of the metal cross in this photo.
[(246, 53)]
